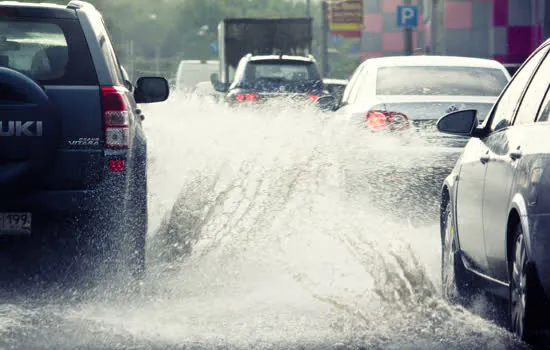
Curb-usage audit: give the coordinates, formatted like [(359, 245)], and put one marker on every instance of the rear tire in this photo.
[(526, 298), (132, 246), (118, 240), (135, 237), (456, 281)]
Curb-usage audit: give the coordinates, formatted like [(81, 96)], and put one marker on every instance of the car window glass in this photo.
[(52, 52), (504, 111), (360, 86), (444, 80), (351, 84), (110, 56), (545, 109), (534, 94), (281, 71)]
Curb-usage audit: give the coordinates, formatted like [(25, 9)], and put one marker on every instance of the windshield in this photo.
[(462, 81)]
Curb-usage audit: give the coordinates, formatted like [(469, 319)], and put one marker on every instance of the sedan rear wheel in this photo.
[(455, 279), (525, 295)]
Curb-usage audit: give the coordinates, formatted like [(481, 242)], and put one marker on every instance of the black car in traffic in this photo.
[(259, 79), (495, 205)]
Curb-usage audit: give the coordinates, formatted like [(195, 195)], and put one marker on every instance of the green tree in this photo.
[(172, 28)]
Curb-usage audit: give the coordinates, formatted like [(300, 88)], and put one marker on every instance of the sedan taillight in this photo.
[(382, 120)]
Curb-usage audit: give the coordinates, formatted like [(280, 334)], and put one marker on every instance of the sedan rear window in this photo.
[(434, 80), (52, 53), (281, 70)]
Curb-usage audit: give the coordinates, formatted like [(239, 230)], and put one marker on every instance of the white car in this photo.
[(404, 97), (413, 92)]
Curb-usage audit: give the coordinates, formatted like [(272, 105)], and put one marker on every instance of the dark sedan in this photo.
[(259, 79), (495, 205)]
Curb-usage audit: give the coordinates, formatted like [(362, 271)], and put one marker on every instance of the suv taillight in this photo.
[(247, 97), (378, 120), (116, 114)]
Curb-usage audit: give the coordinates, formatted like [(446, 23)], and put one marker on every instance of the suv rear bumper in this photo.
[(63, 202), (107, 196)]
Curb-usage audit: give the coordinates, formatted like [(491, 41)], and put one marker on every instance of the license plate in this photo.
[(15, 223)]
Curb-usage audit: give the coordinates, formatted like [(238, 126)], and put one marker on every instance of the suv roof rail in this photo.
[(77, 4)]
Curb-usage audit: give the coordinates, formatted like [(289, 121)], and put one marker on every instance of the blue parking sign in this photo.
[(407, 16), (213, 46)]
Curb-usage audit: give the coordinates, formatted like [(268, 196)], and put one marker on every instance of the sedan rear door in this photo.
[(506, 144)]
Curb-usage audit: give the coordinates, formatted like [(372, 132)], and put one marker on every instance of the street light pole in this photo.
[(308, 8)]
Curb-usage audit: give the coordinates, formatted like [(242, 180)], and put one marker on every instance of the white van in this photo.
[(192, 72)]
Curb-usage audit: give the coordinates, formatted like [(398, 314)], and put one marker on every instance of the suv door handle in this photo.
[(516, 155), (139, 113), (484, 158)]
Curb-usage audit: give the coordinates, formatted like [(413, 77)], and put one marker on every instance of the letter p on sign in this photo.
[(407, 16)]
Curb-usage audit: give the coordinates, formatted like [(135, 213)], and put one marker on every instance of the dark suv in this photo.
[(73, 160), (262, 78)]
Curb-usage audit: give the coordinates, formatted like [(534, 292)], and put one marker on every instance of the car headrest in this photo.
[(4, 61), (58, 56), (50, 62)]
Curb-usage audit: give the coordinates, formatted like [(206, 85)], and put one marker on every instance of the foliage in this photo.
[(173, 29)]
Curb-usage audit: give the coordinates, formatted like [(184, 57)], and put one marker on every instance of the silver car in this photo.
[(412, 92), (404, 97)]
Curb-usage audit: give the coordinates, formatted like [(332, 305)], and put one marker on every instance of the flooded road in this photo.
[(259, 240)]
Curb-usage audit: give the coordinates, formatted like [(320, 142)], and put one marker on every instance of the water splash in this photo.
[(263, 236)]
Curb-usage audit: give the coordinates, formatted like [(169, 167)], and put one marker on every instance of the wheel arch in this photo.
[(517, 215), (445, 199)]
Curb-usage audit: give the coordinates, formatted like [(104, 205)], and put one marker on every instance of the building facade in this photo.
[(506, 30)]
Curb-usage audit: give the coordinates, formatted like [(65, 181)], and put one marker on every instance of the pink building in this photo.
[(506, 30)]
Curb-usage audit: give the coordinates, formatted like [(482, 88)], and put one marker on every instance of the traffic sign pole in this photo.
[(407, 18), (407, 34), (324, 39)]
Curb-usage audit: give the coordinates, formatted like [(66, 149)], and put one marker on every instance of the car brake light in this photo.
[(313, 98), (398, 121), (378, 120), (116, 165), (247, 97), (116, 114)]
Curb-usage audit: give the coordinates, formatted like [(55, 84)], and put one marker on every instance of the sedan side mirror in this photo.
[(151, 89), (461, 123), (217, 84), (327, 103)]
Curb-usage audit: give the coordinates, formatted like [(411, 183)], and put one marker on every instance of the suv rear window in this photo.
[(281, 70), (434, 80), (52, 52)]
